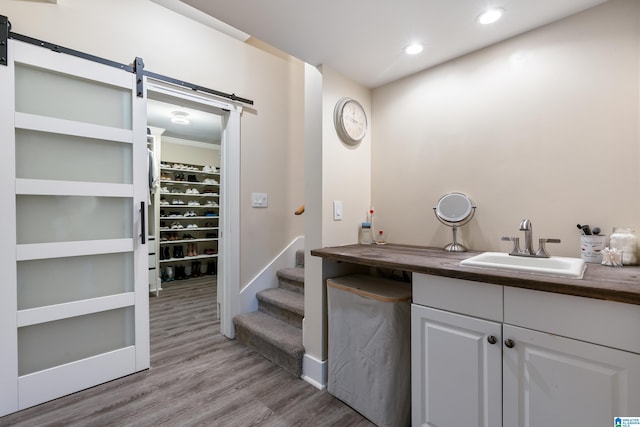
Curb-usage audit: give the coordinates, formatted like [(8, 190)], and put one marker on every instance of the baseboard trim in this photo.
[(314, 371)]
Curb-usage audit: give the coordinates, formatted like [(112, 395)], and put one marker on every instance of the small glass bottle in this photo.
[(624, 239), (381, 239)]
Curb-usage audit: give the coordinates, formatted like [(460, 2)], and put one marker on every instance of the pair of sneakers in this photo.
[(209, 169)]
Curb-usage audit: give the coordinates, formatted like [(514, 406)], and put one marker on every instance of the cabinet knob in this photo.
[(492, 339), (509, 343)]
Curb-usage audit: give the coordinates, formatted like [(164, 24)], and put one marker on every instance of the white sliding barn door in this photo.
[(74, 295)]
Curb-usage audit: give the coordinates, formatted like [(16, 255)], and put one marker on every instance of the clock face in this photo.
[(351, 120)]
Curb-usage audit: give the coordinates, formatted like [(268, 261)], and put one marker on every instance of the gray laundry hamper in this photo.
[(369, 360)]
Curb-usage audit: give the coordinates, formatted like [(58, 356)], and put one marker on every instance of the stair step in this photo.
[(284, 305), (291, 279), (275, 340)]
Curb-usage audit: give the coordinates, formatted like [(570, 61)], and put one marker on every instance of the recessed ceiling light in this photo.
[(490, 16), (413, 49), (180, 117)]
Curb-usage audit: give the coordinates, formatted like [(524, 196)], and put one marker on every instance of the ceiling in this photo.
[(364, 39), (361, 39), (205, 123)]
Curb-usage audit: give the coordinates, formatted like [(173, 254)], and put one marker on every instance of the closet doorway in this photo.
[(194, 213)]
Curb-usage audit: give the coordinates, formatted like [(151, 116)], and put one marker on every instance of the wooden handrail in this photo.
[(300, 210)]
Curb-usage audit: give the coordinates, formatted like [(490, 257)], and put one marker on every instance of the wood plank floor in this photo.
[(197, 378)]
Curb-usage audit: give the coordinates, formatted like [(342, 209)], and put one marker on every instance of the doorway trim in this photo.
[(228, 278)]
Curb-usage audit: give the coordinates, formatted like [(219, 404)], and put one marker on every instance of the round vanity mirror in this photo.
[(454, 210)]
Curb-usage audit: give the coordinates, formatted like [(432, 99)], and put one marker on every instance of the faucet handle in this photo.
[(516, 244), (542, 252)]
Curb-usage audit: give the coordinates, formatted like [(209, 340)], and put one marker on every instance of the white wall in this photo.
[(176, 150), (342, 172), (272, 130), (346, 168), (543, 126)]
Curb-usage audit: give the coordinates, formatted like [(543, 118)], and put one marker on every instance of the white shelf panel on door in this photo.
[(70, 127), (68, 249), (73, 66), (66, 379), (53, 187), (49, 313)]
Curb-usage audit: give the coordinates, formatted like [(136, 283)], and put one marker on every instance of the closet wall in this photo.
[(183, 151)]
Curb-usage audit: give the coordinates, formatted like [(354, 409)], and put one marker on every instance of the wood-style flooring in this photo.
[(197, 378)]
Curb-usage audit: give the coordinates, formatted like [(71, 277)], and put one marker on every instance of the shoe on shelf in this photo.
[(212, 268), (192, 226), (193, 203), (169, 274), (164, 202)]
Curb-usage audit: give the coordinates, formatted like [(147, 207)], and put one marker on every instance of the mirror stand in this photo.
[(455, 246), (454, 210)]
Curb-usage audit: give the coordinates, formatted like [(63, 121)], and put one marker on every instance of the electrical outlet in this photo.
[(337, 210), (259, 200)]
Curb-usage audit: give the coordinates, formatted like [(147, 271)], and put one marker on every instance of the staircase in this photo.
[(275, 330)]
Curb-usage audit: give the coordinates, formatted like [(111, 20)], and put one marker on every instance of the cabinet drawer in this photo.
[(477, 299), (609, 323)]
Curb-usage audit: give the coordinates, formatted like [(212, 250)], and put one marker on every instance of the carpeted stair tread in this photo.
[(282, 304), (275, 340), (291, 278)]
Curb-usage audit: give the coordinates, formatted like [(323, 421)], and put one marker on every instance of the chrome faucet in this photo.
[(527, 227)]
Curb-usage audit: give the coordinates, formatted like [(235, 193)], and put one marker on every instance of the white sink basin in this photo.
[(554, 266)]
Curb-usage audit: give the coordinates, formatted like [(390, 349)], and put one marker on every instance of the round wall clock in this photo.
[(350, 121)]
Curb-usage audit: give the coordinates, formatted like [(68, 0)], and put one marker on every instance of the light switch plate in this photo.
[(259, 200), (337, 210)]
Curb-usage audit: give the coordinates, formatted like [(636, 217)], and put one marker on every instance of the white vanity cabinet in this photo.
[(555, 360), (456, 369)]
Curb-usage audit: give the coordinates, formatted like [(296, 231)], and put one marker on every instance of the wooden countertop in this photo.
[(600, 282)]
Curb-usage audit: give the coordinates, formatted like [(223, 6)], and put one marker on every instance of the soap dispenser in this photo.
[(365, 237)]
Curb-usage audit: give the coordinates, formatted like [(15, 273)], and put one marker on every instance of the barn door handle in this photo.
[(143, 223)]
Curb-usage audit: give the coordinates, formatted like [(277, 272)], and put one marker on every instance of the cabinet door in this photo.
[(555, 381), (455, 369)]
